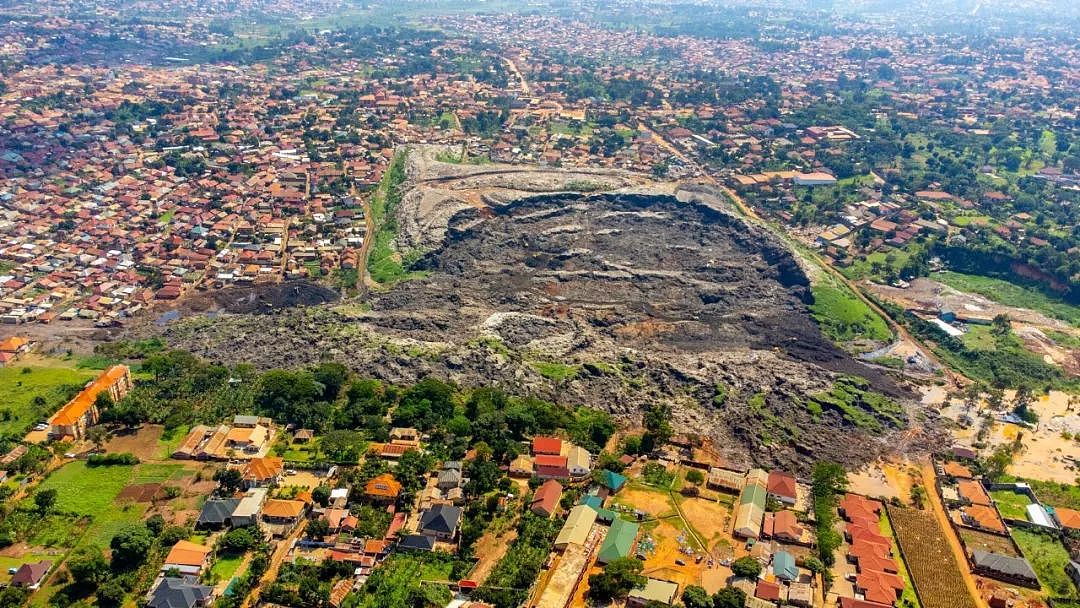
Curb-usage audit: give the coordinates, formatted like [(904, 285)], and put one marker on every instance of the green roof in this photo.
[(618, 542), (784, 566), (612, 480), (593, 501)]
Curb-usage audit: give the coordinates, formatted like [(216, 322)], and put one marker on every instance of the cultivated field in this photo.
[(938, 579)]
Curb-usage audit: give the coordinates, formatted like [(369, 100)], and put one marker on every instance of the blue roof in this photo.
[(592, 500), (784, 566), (612, 480)]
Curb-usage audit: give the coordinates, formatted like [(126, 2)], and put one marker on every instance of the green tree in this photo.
[(230, 480), (131, 545), (98, 434), (317, 528), (88, 566), (729, 597), (44, 500), (617, 579), (746, 566), (110, 594), (321, 495), (696, 597), (657, 427), (695, 477)]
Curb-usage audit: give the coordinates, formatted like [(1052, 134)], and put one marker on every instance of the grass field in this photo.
[(170, 440), (843, 316), (861, 269), (1011, 505), (51, 380), (91, 492), (979, 337), (1048, 557), (1011, 294), (225, 566)]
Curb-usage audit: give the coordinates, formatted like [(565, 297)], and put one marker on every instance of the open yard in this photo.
[(974, 539), (1048, 557), (1011, 505), (30, 396), (709, 519)]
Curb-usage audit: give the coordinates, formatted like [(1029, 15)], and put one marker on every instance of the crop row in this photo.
[(937, 577)]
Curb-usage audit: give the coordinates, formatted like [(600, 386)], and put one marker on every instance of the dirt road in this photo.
[(513, 68), (280, 553), (928, 477)]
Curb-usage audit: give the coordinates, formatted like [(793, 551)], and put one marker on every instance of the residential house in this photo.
[(216, 513), (881, 587), (577, 526), (784, 526), (1015, 570), (548, 466), (619, 541), (783, 487), (281, 516), (263, 472), (247, 511), (750, 513), (783, 566), (578, 462), (546, 498), (180, 592), (521, 466), (441, 522), (406, 436), (655, 590), (417, 542), (549, 446), (30, 575), (187, 557), (382, 489)]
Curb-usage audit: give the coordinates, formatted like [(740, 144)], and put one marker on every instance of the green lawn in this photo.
[(844, 317), (979, 337), (225, 566), (53, 383), (170, 440), (91, 491), (861, 269), (1011, 505), (1011, 294), (1048, 557)]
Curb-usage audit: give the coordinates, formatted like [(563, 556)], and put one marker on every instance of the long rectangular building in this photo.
[(751, 509)]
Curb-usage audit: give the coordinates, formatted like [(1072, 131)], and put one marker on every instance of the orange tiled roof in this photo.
[(955, 469), (384, 486), (81, 403), (1068, 518), (283, 508), (264, 468), (187, 553)]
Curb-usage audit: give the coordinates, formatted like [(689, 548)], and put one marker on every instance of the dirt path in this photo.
[(513, 68), (928, 477), (490, 549), (280, 553), (362, 283)]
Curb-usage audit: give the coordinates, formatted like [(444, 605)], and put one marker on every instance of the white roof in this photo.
[(1037, 515)]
